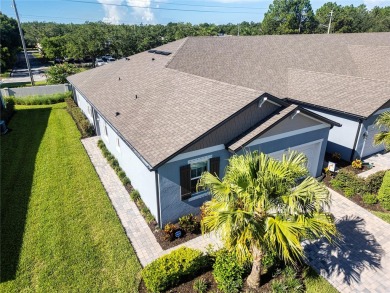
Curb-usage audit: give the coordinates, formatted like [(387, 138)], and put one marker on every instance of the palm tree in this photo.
[(258, 206), (384, 136)]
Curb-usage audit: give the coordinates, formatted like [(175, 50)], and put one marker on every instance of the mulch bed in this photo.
[(166, 244)]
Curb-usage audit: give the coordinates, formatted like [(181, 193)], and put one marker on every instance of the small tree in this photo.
[(384, 136), (59, 73), (258, 207)]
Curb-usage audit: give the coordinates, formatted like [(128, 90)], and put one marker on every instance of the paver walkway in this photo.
[(380, 161), (362, 262), (141, 237)]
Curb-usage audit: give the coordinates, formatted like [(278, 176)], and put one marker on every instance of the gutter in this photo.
[(356, 140)]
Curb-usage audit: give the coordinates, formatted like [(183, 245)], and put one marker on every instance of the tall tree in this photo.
[(258, 206), (289, 17), (9, 41), (383, 122), (380, 19)]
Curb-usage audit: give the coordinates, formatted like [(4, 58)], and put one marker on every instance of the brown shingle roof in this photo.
[(264, 63), (260, 128), (172, 108)]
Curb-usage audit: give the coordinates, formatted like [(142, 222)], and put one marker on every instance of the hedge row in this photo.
[(85, 127), (170, 270), (40, 99), (134, 194), (351, 184), (384, 192)]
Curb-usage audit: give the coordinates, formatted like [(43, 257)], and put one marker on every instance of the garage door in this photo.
[(311, 150), (369, 148)]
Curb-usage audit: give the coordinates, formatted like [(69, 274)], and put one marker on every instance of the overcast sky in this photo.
[(152, 11)]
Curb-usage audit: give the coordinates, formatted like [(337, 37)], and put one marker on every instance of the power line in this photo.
[(159, 8)]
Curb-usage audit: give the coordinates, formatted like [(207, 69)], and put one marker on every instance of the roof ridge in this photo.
[(177, 50), (336, 74), (218, 81)]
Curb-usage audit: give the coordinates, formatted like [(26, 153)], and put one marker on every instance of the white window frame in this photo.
[(199, 160)]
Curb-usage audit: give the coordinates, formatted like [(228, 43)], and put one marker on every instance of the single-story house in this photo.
[(344, 77), (166, 126)]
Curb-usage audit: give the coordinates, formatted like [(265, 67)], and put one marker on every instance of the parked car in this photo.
[(111, 59), (100, 62)]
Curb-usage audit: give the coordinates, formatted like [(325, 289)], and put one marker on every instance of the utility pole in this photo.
[(330, 21), (238, 30), (23, 44)]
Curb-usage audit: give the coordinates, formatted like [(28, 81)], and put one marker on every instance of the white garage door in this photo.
[(369, 148), (311, 150)]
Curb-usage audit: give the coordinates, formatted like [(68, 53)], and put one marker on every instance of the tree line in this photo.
[(97, 38)]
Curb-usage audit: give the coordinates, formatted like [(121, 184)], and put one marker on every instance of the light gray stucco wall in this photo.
[(83, 105), (35, 90), (141, 178), (292, 141), (172, 207), (341, 139)]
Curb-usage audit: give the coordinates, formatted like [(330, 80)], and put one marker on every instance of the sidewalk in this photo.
[(138, 232)]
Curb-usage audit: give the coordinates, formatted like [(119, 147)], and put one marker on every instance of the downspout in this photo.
[(356, 140), (158, 199)]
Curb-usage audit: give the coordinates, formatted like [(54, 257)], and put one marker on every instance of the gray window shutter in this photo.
[(185, 181), (214, 166)]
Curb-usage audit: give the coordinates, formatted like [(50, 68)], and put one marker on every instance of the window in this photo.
[(196, 171), (191, 173)]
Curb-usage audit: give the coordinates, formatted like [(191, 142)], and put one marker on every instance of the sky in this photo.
[(153, 11)]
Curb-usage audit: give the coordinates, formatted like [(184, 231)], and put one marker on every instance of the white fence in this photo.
[(35, 90)]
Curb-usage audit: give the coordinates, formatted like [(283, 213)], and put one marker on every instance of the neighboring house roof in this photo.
[(274, 64)]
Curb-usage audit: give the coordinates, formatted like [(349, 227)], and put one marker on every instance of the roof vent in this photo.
[(119, 78), (127, 58), (153, 59), (117, 114), (136, 96)]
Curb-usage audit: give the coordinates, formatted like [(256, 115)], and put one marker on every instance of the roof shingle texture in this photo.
[(261, 128), (172, 108), (269, 63)]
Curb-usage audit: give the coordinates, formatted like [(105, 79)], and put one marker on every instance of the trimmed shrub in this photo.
[(40, 99), (374, 182), (200, 285), (189, 223), (134, 195), (228, 272), (169, 270), (384, 192), (86, 129), (348, 182), (288, 282), (369, 198)]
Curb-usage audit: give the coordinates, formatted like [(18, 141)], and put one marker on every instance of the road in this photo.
[(20, 73)]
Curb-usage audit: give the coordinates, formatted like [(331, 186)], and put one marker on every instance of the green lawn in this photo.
[(316, 284), (384, 216), (59, 232)]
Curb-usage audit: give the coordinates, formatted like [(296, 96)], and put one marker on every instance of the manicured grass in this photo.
[(316, 284), (383, 215), (22, 84), (59, 232)]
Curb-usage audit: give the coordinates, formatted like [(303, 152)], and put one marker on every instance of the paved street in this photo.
[(360, 263), (20, 72)]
